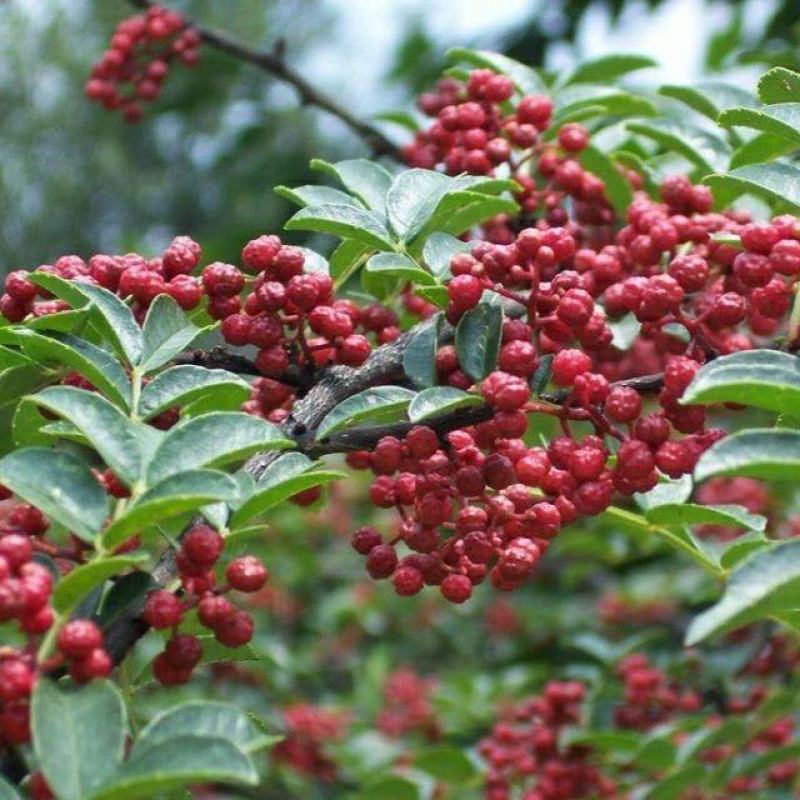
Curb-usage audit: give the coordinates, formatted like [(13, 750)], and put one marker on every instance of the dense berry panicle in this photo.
[(141, 53)]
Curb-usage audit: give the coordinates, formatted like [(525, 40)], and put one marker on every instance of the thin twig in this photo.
[(274, 63)]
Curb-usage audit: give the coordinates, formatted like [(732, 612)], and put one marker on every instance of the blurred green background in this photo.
[(74, 178)]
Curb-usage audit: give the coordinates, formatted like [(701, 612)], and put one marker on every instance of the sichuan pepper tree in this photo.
[(518, 334)]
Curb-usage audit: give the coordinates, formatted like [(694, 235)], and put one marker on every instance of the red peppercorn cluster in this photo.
[(201, 548), (26, 587), (407, 705), (133, 69), (649, 698), (754, 495), (524, 750), (616, 609), (309, 729)]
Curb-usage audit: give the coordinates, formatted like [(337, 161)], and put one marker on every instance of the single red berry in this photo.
[(162, 609), (246, 574), (78, 638), (456, 588)]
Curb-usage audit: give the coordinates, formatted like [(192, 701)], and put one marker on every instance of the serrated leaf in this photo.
[(768, 582), (395, 265), (709, 98), (59, 287), (706, 150), (62, 321), (693, 514), (309, 195), (460, 211), (60, 485), (765, 379), (609, 68), (526, 79), (345, 222), (98, 366), (478, 337), (440, 400), (617, 189), (183, 384), (78, 736), (346, 258), (419, 358), (107, 429), (204, 718), (175, 495), (779, 85), (757, 453), (439, 249), (761, 148), (281, 480), (176, 763), (378, 405), (211, 439), (412, 199), (167, 331), (776, 182), (115, 321), (781, 120), (447, 764), (365, 179), (85, 577)]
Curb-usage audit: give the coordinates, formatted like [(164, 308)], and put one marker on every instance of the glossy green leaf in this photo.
[(439, 249), (346, 259), (612, 99), (78, 735), (115, 321), (766, 583), (478, 337), (446, 764), (108, 430), (763, 147), (167, 332), (204, 718), (365, 179), (98, 366), (309, 195), (459, 212), (62, 321), (776, 182), (412, 200), (709, 98), (174, 764), (345, 222), (282, 480), (77, 584), (672, 786), (396, 265), (618, 190), (127, 593), (438, 400), (60, 485), (378, 405), (782, 120), (608, 68), (779, 85), (175, 495), (419, 357), (693, 514), (211, 439), (742, 547), (656, 752), (60, 287), (757, 453), (184, 384), (706, 150), (434, 294), (762, 378)]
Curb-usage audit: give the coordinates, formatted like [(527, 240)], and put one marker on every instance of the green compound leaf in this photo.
[(478, 337), (440, 400), (757, 453), (378, 405)]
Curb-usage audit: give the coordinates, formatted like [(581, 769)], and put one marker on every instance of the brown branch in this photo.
[(273, 62)]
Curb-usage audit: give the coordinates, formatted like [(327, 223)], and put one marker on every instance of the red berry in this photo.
[(78, 638), (246, 574)]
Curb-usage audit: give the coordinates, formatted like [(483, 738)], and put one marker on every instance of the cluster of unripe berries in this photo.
[(140, 55), (26, 588), (201, 548)]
